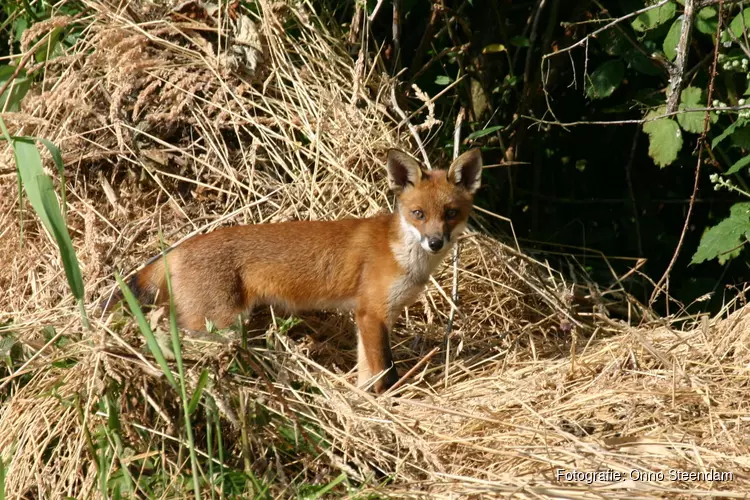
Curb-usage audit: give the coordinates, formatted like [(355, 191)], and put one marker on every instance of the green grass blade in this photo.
[(202, 381), (325, 489), (86, 433), (177, 348), (20, 204), (41, 194), (103, 464), (145, 328), (220, 451), (29, 165), (10, 100), (114, 431), (209, 450), (59, 230), (2, 479), (58, 159)]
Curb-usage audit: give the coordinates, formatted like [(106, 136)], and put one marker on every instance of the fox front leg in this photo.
[(374, 357)]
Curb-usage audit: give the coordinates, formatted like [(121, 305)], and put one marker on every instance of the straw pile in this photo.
[(167, 128)]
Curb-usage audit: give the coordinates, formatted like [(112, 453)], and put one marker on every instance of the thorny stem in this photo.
[(663, 284), (677, 71)]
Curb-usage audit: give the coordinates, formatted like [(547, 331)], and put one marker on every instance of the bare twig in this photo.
[(539, 121), (406, 376), (396, 35), (708, 3), (375, 11), (663, 284), (677, 71), (412, 129), (456, 253), (637, 46), (593, 34)]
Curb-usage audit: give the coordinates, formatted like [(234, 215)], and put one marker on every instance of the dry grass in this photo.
[(164, 128)]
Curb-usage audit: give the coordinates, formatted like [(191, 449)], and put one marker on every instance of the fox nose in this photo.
[(435, 244)]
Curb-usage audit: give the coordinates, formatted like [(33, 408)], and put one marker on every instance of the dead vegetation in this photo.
[(167, 127)]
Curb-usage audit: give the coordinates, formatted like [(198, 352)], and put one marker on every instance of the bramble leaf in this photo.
[(740, 23), (664, 138), (706, 20), (672, 39), (605, 79), (690, 98), (728, 131), (654, 17), (741, 137), (738, 165), (724, 240)]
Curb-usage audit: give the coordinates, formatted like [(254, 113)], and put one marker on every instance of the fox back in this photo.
[(374, 266)]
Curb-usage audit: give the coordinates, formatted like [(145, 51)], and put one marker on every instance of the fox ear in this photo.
[(403, 171), (466, 170)]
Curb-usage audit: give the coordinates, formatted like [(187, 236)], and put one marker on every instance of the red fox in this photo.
[(374, 266)]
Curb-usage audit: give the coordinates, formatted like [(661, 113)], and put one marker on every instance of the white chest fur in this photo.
[(417, 263)]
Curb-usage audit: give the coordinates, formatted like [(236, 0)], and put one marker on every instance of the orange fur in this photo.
[(374, 266)]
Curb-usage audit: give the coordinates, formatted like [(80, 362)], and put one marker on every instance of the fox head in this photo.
[(434, 205)]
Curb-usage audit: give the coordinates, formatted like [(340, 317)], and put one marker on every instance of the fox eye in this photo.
[(418, 214), (451, 213)]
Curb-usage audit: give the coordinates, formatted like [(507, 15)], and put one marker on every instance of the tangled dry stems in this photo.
[(166, 127)]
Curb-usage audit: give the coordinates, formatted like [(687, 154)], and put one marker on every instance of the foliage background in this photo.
[(585, 189)]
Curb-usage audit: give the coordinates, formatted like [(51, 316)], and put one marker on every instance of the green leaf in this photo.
[(672, 39), (739, 165), (51, 49), (642, 64), (2, 479), (740, 23), (19, 27), (664, 138), (706, 13), (199, 387), (494, 48), (727, 132), (605, 79), (443, 80), (57, 158), (145, 329), (613, 42), (41, 195), (741, 137), (61, 234), (11, 99), (314, 492), (692, 97), (483, 132), (65, 364), (706, 20), (654, 17), (724, 239), (520, 41)]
